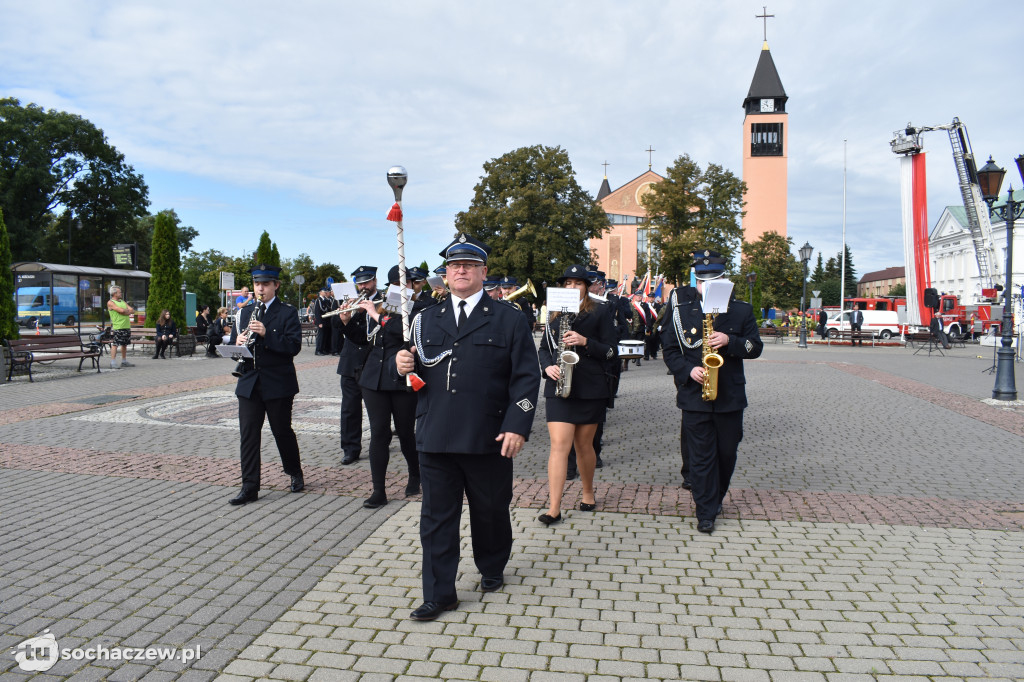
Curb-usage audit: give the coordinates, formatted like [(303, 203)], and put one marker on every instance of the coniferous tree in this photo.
[(818, 274), (264, 252), (8, 327), (165, 281)]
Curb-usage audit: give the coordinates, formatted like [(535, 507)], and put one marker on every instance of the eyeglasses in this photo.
[(463, 266)]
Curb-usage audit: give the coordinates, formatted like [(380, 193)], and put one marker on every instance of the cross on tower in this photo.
[(605, 164), (764, 16), (650, 158)]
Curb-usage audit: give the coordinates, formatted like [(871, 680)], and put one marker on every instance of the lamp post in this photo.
[(184, 303), (72, 221), (751, 278), (805, 255), (990, 178)]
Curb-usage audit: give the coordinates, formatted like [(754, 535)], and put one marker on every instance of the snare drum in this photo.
[(631, 349)]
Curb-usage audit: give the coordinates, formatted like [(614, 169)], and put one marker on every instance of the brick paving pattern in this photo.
[(895, 554)]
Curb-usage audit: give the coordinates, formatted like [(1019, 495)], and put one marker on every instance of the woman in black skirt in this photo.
[(573, 420)]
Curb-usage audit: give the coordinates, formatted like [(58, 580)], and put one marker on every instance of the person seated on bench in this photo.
[(166, 333), (215, 335)]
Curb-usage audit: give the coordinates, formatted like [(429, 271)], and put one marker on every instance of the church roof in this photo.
[(605, 189), (766, 82)]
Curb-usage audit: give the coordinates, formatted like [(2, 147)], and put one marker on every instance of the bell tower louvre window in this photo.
[(766, 139)]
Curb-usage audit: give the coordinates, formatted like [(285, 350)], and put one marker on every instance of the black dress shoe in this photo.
[(600, 463), (686, 484), (492, 584), (298, 485), (430, 610), (572, 475), (588, 507), (376, 500), (245, 497), (413, 486), (548, 519), (719, 510), (706, 526), (349, 458)]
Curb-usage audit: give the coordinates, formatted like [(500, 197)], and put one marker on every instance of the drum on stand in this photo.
[(629, 350)]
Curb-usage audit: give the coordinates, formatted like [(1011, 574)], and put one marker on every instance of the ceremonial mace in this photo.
[(397, 178)]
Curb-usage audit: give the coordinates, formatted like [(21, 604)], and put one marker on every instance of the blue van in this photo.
[(34, 304)]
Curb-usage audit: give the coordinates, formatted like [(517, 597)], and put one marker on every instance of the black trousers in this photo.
[(161, 346), (486, 481), (337, 337), (855, 328), (712, 439), (651, 345), (351, 416), (251, 412), (381, 407), (685, 471), (323, 338)]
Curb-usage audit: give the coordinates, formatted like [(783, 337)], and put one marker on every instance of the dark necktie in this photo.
[(462, 314), (261, 309)]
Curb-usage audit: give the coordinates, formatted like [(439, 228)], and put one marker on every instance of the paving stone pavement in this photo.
[(897, 556)]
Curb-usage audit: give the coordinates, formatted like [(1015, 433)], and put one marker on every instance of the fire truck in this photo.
[(957, 318)]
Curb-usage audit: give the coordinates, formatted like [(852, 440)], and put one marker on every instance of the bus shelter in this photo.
[(56, 297)]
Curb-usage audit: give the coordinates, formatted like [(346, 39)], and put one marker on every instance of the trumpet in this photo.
[(527, 288), (350, 309)]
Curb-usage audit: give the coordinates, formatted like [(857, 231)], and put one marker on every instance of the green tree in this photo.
[(694, 209), (265, 252), (325, 270), (778, 271), (165, 283), (818, 274), (851, 273), (8, 328), (898, 290), (141, 234), (54, 159), (533, 214)]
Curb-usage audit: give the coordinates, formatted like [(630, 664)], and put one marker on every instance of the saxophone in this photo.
[(566, 358), (711, 361)]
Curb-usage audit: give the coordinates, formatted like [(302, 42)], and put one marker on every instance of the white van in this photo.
[(884, 323)]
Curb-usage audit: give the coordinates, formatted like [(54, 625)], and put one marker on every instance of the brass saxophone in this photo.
[(711, 361), (567, 359)]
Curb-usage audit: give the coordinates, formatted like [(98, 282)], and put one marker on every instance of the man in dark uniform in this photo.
[(268, 383), (508, 286), (350, 364), (323, 327), (856, 322), (479, 362), (714, 429)]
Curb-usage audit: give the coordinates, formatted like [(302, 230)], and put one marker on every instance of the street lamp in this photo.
[(805, 255), (751, 278), (184, 304), (78, 224), (990, 178)]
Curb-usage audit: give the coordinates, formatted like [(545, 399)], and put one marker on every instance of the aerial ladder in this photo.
[(907, 142)]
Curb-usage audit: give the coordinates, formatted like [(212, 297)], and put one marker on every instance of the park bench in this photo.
[(847, 335), (309, 332), (777, 333), (184, 344), (22, 353)]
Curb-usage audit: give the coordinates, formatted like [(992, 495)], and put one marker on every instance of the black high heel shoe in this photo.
[(588, 507), (548, 520)]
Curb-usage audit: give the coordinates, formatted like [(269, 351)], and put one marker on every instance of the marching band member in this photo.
[(713, 429), (323, 327), (350, 365), (573, 420), (268, 384), (479, 363), (384, 393)]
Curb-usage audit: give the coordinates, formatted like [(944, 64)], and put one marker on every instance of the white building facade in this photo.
[(954, 266)]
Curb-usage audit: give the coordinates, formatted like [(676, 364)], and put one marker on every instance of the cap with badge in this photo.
[(490, 284), (466, 248), (708, 264), (574, 272), (265, 273), (394, 275), (508, 281), (364, 273), (416, 273), (611, 283)]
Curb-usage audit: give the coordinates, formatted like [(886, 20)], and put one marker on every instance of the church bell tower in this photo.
[(765, 150)]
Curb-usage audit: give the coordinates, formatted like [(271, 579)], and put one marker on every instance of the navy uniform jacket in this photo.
[(744, 343), (353, 356), (385, 341), (272, 363), (589, 377), (620, 317), (487, 385)]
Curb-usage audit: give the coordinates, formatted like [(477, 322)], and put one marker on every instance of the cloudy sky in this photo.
[(245, 116)]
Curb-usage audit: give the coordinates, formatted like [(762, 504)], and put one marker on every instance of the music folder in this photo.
[(234, 352)]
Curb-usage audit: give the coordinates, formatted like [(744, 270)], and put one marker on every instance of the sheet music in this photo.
[(344, 290), (228, 351), (561, 299), (716, 296)]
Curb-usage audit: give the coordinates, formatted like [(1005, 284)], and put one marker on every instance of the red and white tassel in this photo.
[(395, 214)]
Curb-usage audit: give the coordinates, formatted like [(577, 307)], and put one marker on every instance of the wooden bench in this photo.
[(309, 332), (146, 337), (777, 333), (24, 352), (837, 336)]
